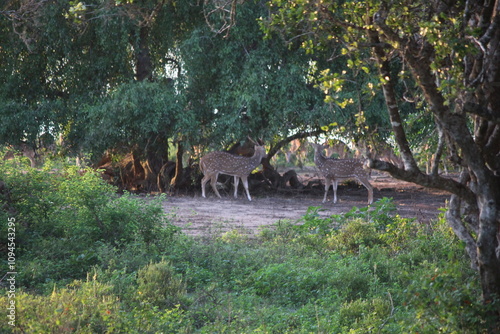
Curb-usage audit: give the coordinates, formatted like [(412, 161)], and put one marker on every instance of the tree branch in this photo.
[(273, 150), (425, 180), (488, 35), (481, 111)]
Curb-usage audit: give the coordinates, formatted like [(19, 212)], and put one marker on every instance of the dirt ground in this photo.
[(208, 216)]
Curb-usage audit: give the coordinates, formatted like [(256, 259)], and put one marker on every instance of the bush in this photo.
[(289, 283), (379, 213), (447, 299), (160, 286), (64, 217), (365, 316), (354, 235), (82, 308), (89, 307), (360, 227)]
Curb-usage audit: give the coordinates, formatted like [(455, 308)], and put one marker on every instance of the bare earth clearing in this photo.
[(207, 216)]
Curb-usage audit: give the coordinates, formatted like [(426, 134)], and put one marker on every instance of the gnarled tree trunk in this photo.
[(177, 179)]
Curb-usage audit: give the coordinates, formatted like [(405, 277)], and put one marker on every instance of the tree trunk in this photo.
[(164, 178), (391, 100), (143, 65), (487, 240), (177, 179), (155, 157), (138, 173)]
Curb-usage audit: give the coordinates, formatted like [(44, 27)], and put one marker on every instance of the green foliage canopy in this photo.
[(137, 114)]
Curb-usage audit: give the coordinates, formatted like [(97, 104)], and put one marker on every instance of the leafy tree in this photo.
[(62, 61), (52, 62), (246, 85), (140, 116), (448, 50)]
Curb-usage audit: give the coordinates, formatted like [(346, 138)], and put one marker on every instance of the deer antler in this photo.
[(252, 141)]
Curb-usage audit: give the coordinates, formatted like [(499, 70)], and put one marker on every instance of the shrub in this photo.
[(365, 316), (399, 233), (293, 282), (446, 299), (354, 235), (160, 286), (313, 223), (281, 231), (80, 308), (89, 307), (379, 213), (360, 227), (64, 217), (349, 277)]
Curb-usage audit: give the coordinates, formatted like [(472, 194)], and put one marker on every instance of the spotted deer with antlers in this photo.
[(335, 170), (218, 162)]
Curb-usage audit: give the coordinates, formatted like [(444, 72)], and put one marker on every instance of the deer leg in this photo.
[(213, 183), (203, 183), (327, 186), (236, 183), (244, 180), (335, 185), (368, 186)]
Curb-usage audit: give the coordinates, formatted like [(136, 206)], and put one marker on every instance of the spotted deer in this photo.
[(335, 170), (215, 163)]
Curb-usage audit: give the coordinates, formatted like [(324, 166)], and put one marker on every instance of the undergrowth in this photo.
[(90, 261)]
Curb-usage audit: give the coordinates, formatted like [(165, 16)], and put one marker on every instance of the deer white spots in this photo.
[(215, 163), (335, 170)]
